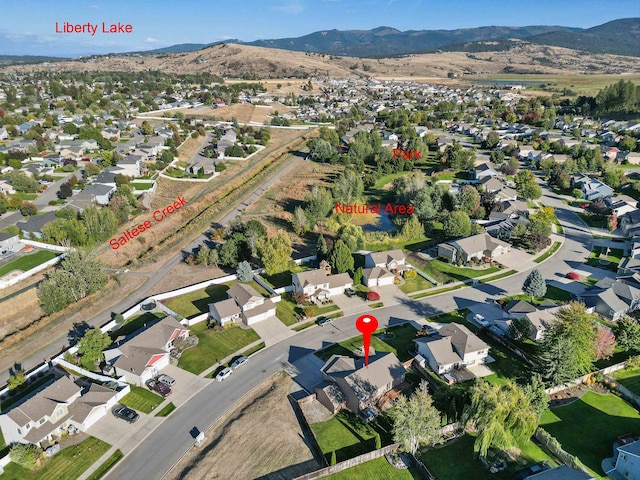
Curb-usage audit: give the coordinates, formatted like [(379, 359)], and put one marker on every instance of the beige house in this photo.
[(55, 409), (319, 285), (475, 247), (347, 382), (254, 306), (381, 267), (455, 347), (142, 357)]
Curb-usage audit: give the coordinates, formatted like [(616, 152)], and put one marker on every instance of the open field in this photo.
[(190, 148), (242, 112), (587, 427), (275, 451)]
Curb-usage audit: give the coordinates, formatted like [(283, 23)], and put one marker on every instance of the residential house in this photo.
[(500, 224), (562, 472), (32, 228), (475, 247), (3, 133), (612, 298), (97, 193), (360, 386), (143, 356), (629, 222), (541, 320), (225, 312), (625, 463), (111, 133), (131, 165), (483, 170), (454, 347), (205, 165), (10, 243), (320, 285), (592, 188), (51, 411), (254, 306), (382, 267), (6, 188), (620, 205)]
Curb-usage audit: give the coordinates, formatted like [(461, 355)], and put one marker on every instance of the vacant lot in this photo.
[(587, 427), (236, 449)]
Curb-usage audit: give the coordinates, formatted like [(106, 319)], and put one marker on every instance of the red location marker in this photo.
[(366, 324)]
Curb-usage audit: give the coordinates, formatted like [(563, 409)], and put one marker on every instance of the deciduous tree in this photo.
[(526, 185), (275, 253), (91, 345), (605, 342), (627, 331), (457, 224), (520, 329)]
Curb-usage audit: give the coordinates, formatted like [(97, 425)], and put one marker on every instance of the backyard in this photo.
[(379, 469), (283, 279), (629, 378), (68, 464), (443, 272), (195, 303), (141, 399), (588, 427), (214, 346), (136, 322), (456, 460), (27, 262), (349, 437)]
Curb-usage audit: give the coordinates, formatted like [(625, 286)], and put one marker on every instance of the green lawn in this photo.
[(136, 322), (498, 276), (553, 293), (141, 399), (25, 196), (27, 262), (554, 248), (283, 279), (286, 310), (593, 220), (415, 284), (379, 469), (629, 378), (214, 346), (613, 259), (170, 407), (102, 470), (587, 427), (506, 366), (142, 186), (444, 272), (436, 292), (404, 335), (68, 464), (326, 309), (456, 460), (349, 437), (195, 303)]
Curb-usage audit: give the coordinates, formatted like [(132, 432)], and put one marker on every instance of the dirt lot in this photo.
[(274, 450), (243, 112), (182, 275)]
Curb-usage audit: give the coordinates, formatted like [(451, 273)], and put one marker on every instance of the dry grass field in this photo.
[(233, 61), (243, 112), (236, 448), (190, 147)]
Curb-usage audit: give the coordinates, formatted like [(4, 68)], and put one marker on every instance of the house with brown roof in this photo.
[(454, 347), (53, 410), (224, 312), (358, 387), (320, 285), (142, 357)]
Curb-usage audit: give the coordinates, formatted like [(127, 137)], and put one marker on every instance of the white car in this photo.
[(479, 319), (223, 374), (239, 362), (167, 380)]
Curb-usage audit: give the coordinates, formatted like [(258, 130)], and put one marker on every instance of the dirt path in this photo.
[(260, 438)]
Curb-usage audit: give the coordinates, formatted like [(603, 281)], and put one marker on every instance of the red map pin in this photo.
[(366, 324)]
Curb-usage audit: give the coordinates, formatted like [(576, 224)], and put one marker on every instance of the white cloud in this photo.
[(151, 40), (95, 7)]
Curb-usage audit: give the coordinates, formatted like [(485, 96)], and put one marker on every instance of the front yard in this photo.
[(415, 284), (349, 436), (214, 346), (68, 464), (141, 399), (611, 260), (587, 427)]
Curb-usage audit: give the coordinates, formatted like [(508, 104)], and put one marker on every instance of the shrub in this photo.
[(309, 311), (633, 362), (371, 296), (16, 379), (119, 319), (410, 274), (25, 454), (333, 460), (378, 442)]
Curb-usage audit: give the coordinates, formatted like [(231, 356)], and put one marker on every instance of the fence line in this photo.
[(580, 380), (33, 271), (193, 288)]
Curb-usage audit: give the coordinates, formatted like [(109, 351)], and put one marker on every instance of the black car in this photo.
[(350, 292), (127, 414)]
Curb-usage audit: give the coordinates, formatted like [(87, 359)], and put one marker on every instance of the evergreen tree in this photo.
[(534, 285), (341, 257), (244, 272), (321, 248)]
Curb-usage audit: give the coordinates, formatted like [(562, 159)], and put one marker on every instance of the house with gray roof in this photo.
[(475, 247), (254, 307), (613, 298), (33, 226), (361, 386), (51, 411), (454, 347), (592, 188), (143, 356), (320, 285), (225, 312), (625, 463), (382, 267)]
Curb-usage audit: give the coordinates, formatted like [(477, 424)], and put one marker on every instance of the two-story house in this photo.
[(382, 267), (475, 247), (454, 347), (319, 285), (254, 306)]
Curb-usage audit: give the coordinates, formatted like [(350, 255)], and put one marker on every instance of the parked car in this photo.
[(350, 292), (572, 276), (584, 206), (239, 362), (52, 450), (158, 387), (322, 321), (127, 414), (223, 374), (479, 319), (167, 380)]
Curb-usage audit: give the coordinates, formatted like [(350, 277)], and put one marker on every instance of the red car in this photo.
[(584, 205), (158, 387), (573, 276)]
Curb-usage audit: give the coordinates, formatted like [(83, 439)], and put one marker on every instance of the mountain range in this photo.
[(620, 37)]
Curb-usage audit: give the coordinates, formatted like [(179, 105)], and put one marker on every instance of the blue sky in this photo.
[(28, 26)]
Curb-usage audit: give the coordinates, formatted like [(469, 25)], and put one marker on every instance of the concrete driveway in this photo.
[(187, 384), (121, 434), (349, 305), (516, 259), (489, 311), (272, 330)]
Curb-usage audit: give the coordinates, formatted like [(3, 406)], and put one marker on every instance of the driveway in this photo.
[(516, 259), (489, 311), (187, 384), (349, 305), (120, 434), (306, 371), (272, 330)]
